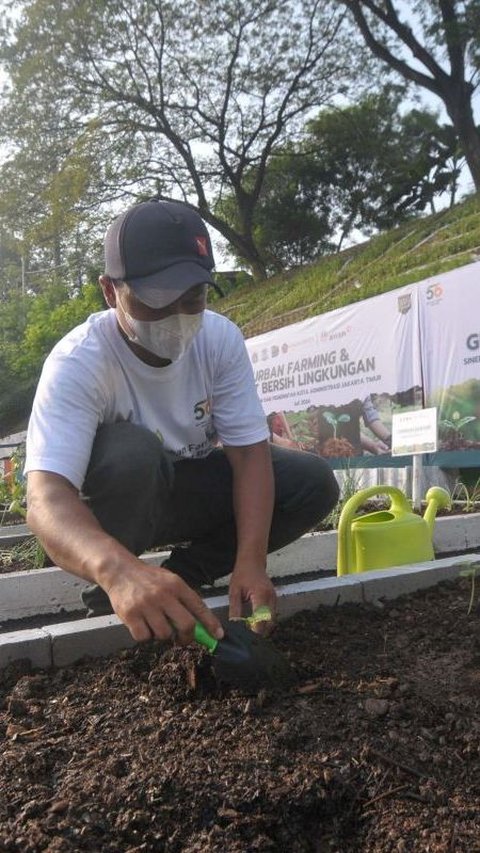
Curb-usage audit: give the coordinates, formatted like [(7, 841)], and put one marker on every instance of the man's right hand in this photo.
[(150, 600), (154, 602)]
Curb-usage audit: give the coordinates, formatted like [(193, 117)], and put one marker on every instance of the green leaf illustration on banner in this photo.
[(333, 420), (457, 422)]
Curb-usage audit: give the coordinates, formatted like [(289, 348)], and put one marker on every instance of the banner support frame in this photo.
[(417, 477)]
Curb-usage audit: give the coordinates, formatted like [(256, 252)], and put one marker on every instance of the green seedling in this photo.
[(470, 571), (261, 614), (467, 496), (349, 486)]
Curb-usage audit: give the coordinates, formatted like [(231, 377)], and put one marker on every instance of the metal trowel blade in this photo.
[(250, 662)]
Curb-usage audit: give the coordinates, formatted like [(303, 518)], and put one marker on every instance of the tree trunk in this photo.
[(459, 106), (247, 249), (258, 269)]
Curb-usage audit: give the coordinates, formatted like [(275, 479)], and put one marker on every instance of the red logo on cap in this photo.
[(202, 245)]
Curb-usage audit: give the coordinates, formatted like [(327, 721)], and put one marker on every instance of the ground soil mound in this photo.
[(376, 749)]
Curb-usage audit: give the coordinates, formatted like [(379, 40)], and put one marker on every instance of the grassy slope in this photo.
[(419, 249)]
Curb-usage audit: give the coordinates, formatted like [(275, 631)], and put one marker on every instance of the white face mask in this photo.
[(168, 338)]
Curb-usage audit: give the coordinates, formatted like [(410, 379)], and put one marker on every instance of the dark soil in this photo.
[(12, 563), (375, 750)]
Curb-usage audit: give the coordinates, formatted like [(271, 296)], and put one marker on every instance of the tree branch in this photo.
[(435, 83)]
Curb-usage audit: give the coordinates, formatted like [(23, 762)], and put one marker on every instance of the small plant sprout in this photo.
[(261, 614), (467, 496), (470, 571), (334, 421), (349, 486)]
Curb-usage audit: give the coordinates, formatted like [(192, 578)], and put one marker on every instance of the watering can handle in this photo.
[(399, 503)]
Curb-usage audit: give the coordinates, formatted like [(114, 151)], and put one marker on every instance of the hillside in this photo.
[(418, 249)]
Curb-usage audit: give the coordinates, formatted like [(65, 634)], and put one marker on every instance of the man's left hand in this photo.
[(252, 586)]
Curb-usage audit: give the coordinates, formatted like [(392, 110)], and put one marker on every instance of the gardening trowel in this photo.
[(245, 659)]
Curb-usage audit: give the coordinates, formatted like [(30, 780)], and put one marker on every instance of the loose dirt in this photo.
[(376, 749)]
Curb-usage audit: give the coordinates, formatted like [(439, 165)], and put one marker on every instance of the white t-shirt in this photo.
[(92, 377)]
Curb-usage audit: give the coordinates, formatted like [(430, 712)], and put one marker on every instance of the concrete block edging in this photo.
[(63, 644), (51, 590)]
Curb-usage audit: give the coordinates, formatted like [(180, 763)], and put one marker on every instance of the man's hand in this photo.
[(252, 586), (253, 496), (150, 600), (154, 602)]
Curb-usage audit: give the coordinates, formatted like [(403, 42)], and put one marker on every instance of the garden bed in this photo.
[(375, 750), (28, 555)]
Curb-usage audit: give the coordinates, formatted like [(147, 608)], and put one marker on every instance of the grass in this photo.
[(420, 248), (28, 554)]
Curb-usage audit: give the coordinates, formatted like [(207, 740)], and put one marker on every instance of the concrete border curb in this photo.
[(14, 533), (63, 644), (52, 590)]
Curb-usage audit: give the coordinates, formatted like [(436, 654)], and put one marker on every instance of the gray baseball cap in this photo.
[(161, 249)]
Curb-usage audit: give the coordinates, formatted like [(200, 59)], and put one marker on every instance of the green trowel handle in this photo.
[(201, 635)]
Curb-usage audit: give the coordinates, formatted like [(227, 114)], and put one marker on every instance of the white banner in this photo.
[(449, 314), (323, 381)]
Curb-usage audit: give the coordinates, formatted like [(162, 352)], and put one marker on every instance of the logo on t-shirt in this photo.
[(201, 409)]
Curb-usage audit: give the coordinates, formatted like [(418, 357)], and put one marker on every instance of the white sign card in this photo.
[(414, 432)]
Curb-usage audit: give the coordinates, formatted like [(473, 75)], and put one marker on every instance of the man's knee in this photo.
[(306, 479), (322, 485)]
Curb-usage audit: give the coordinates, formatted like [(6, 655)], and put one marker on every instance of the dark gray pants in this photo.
[(145, 500)]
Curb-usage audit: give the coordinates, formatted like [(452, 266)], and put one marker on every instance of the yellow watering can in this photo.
[(390, 537)]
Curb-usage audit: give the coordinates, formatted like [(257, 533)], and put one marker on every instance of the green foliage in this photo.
[(166, 121), (13, 502), (382, 164), (29, 554), (457, 423), (291, 222), (51, 315), (459, 410), (349, 487), (13, 487), (367, 166), (436, 50), (30, 327), (335, 420), (226, 282), (468, 495)]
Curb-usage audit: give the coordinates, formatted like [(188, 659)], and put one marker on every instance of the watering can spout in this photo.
[(436, 498)]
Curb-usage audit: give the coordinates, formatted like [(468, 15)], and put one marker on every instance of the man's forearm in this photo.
[(148, 599), (253, 498), (69, 531)]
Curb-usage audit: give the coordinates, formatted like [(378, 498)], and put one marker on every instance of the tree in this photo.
[(366, 166), (291, 222), (189, 97), (446, 32), (380, 165), (49, 181)]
